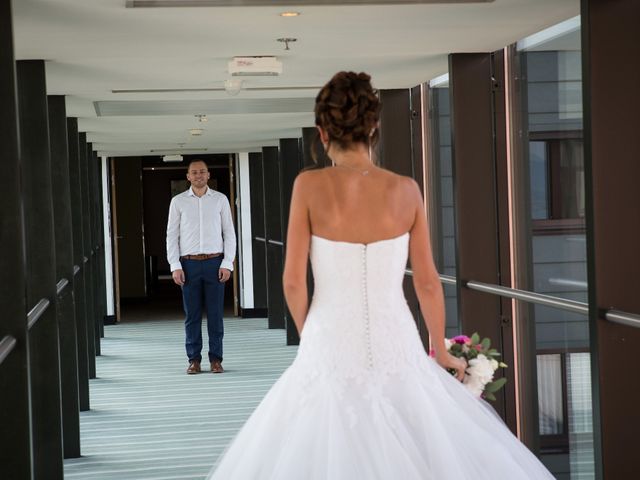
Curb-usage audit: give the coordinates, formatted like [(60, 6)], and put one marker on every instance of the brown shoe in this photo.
[(216, 366), (194, 367)]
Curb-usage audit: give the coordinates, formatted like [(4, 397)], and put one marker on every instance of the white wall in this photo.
[(245, 256), (108, 260)]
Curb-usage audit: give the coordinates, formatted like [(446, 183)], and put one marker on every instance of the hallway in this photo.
[(148, 419)]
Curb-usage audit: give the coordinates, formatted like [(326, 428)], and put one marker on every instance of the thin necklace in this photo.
[(359, 170)]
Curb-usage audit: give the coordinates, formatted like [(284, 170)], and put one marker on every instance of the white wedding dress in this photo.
[(362, 400)]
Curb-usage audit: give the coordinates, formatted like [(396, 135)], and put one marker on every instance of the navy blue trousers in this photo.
[(202, 288)]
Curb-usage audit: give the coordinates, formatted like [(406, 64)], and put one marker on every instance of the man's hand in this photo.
[(178, 277), (224, 274)]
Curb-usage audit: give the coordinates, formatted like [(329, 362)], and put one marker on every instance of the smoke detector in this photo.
[(255, 66)]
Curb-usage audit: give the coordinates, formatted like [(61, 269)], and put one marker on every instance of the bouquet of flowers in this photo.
[(483, 362)]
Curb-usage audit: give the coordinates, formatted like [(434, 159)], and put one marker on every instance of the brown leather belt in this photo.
[(201, 256)]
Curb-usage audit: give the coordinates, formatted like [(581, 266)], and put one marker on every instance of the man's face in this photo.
[(198, 174)]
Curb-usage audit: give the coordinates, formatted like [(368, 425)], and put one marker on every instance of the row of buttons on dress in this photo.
[(367, 331)]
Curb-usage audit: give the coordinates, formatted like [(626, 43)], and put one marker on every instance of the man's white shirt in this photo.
[(200, 225)]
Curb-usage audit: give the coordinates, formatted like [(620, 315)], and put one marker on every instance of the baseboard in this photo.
[(109, 319), (254, 312)]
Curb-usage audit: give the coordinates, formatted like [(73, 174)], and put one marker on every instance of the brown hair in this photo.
[(348, 109)]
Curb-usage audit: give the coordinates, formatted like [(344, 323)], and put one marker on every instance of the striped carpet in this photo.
[(149, 420)]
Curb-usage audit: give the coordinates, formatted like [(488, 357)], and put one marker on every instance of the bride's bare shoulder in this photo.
[(311, 177), (401, 184)]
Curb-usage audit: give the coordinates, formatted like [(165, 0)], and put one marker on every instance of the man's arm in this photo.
[(173, 237), (228, 236)]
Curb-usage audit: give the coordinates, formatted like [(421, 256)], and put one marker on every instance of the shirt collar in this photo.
[(192, 193)]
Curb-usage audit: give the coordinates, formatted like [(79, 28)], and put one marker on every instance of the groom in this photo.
[(201, 246)]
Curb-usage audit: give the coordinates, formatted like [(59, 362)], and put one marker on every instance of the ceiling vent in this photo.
[(255, 66), (172, 158)]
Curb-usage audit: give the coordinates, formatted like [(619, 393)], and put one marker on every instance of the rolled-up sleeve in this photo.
[(228, 236), (173, 236)]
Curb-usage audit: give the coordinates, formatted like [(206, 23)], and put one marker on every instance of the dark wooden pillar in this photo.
[(15, 417), (478, 191), (258, 242), (394, 147), (93, 191), (290, 166), (275, 241), (41, 270), (85, 220), (64, 275), (79, 287), (611, 46)]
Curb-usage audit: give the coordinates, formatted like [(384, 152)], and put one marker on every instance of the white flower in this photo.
[(447, 344), (494, 364), (479, 373)]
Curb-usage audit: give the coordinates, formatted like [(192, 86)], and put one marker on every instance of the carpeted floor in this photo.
[(149, 420)]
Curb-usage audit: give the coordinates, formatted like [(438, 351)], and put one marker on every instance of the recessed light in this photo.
[(195, 132), (290, 14)]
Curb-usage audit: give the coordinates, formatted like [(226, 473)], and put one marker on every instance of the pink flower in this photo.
[(479, 347), (461, 339)]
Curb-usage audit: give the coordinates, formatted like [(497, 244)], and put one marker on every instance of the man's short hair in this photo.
[(197, 160)]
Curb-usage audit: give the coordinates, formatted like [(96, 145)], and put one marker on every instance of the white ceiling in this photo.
[(92, 47)]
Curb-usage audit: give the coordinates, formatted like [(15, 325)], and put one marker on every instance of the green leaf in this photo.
[(494, 354), (489, 396), (486, 343), (495, 385), (475, 338)]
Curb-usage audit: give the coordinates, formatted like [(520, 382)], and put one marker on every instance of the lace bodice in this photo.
[(359, 323)]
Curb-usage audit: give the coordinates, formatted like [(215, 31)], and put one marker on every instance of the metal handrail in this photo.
[(623, 318), (446, 279), (612, 315), (7, 344), (76, 269), (260, 239), (276, 242), (61, 285), (539, 298), (36, 312)]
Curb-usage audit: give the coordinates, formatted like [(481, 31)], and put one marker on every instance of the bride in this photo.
[(362, 400)]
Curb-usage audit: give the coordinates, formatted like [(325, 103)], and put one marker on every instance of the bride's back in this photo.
[(350, 206)]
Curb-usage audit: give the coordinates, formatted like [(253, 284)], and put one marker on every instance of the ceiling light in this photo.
[(233, 86), (290, 14), (286, 41), (196, 132)]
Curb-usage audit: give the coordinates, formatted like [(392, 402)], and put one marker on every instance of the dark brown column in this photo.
[(87, 267), (258, 241), (290, 165), (611, 75), (40, 252), (64, 275), (394, 146), (15, 416), (273, 230), (480, 195), (79, 287)]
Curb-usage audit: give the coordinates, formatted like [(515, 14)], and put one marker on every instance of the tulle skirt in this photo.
[(418, 425)]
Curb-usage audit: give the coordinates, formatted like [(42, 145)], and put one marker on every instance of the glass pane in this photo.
[(444, 248), (551, 112)]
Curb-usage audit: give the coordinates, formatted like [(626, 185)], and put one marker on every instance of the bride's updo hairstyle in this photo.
[(348, 109)]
